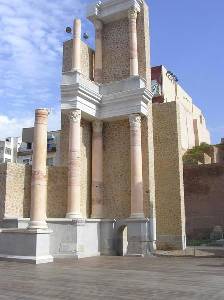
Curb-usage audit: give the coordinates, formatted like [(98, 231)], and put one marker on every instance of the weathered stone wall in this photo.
[(204, 199), (18, 190), (169, 189), (116, 65), (86, 58), (15, 185), (116, 56), (86, 158), (117, 168)]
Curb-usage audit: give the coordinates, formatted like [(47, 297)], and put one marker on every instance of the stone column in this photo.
[(99, 52), (133, 45), (137, 210), (39, 180), (74, 167), (76, 57), (97, 170)]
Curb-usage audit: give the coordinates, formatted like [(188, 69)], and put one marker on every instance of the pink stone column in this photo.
[(97, 170), (74, 167), (39, 180), (99, 52), (76, 57), (133, 45), (137, 210)]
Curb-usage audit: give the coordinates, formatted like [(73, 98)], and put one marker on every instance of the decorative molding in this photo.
[(75, 116), (132, 13), (97, 126), (135, 121)]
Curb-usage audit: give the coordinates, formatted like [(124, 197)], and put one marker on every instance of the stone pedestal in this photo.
[(24, 245)]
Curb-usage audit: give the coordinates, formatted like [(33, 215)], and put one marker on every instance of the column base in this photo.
[(37, 225), (137, 216), (73, 216)]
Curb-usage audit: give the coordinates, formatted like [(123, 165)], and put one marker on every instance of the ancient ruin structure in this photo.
[(120, 156)]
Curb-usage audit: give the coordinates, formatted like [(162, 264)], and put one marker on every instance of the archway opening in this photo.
[(122, 240)]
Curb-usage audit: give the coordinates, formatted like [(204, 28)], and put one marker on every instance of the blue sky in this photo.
[(186, 36)]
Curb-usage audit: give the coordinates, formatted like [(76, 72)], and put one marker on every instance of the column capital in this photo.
[(97, 126), (98, 25), (135, 121), (132, 13), (75, 116)]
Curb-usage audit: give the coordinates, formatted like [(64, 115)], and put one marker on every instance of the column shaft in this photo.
[(99, 52), (39, 181), (137, 210), (76, 58), (97, 170), (133, 44), (74, 167)]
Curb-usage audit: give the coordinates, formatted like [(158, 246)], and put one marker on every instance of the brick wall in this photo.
[(204, 199)]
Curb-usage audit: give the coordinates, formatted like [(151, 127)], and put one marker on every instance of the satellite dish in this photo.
[(68, 29)]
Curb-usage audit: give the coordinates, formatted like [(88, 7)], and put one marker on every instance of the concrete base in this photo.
[(92, 237), (25, 245)]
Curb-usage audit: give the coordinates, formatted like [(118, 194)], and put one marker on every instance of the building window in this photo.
[(8, 151), (1, 150), (7, 160)]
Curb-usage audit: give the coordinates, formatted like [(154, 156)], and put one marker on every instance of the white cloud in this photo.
[(31, 38), (12, 127)]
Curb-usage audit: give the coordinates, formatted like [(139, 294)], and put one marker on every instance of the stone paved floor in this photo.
[(115, 278)]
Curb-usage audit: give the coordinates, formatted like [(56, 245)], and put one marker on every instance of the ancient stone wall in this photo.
[(116, 65), (86, 58), (204, 199), (15, 185), (169, 188), (116, 56), (117, 168)]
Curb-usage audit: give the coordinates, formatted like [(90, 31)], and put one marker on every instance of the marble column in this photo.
[(97, 170), (99, 52), (137, 210), (74, 166), (133, 45), (76, 57), (39, 180)]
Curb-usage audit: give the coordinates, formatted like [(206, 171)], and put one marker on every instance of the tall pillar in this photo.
[(133, 45), (99, 51), (137, 210), (97, 170), (39, 181), (74, 167), (76, 57)]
